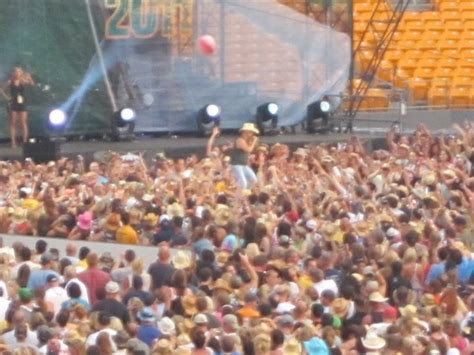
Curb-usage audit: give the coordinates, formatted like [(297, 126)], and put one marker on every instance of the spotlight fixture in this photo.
[(123, 124), (267, 117), (57, 119), (207, 118), (317, 116)]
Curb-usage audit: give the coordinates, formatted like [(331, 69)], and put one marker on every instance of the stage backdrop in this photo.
[(266, 51)]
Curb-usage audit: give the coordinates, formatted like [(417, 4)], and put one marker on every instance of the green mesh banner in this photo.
[(52, 40)]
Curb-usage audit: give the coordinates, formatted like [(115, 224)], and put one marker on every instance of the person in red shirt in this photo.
[(94, 278)]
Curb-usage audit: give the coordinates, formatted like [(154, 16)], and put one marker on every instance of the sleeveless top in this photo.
[(238, 157), (17, 93)]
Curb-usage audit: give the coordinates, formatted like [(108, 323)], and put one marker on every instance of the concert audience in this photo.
[(336, 250)]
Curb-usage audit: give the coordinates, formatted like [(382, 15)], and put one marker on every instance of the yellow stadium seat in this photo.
[(467, 53), (416, 25), (413, 53), (466, 7), (406, 44), (410, 16), (363, 17), (447, 62), (448, 9), (362, 7), (427, 44), (435, 25), (448, 44), (359, 27), (376, 99), (428, 16), (466, 43), (451, 34), (451, 52), (460, 96), (443, 72), (469, 24), (438, 96), (393, 55), (427, 62), (465, 81), (407, 64), (425, 73), (468, 33), (432, 53), (400, 78), (385, 70), (412, 35), (454, 24), (464, 71), (463, 63), (419, 88)]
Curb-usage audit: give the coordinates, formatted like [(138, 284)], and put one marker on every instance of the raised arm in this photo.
[(210, 143)]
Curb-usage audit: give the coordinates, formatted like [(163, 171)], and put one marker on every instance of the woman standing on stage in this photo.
[(18, 80), (244, 145)]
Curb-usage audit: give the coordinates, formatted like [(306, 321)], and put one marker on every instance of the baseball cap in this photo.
[(200, 318), (51, 278), (112, 287)]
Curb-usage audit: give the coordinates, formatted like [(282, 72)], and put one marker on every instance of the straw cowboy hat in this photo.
[(373, 342), (377, 297), (292, 347), (222, 215), (250, 127), (189, 304), (181, 260)]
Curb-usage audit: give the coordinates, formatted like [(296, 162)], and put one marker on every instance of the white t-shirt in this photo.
[(92, 339), (4, 304), (326, 285), (56, 296)]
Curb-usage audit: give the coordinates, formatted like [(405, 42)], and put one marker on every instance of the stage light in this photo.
[(317, 116), (267, 117), (123, 124), (207, 118), (57, 118)]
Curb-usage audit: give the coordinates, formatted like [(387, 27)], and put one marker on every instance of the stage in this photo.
[(182, 146)]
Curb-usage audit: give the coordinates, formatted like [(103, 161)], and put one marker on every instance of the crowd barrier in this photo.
[(147, 253)]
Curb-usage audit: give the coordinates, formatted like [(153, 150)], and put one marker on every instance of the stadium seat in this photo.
[(419, 88), (432, 53), (428, 62), (385, 70), (451, 34), (425, 73), (393, 55), (464, 71), (400, 78), (467, 53), (447, 62), (438, 96), (407, 64), (454, 24), (443, 72), (376, 99), (435, 25), (411, 35), (465, 81), (406, 44), (460, 96), (362, 7), (416, 25), (413, 53), (466, 7), (427, 44), (467, 33), (429, 16)]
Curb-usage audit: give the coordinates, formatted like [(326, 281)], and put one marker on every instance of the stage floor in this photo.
[(180, 146)]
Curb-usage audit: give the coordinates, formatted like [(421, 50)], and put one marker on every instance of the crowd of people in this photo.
[(329, 249)]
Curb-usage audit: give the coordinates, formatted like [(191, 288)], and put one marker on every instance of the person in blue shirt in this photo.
[(148, 332), (38, 278), (74, 293)]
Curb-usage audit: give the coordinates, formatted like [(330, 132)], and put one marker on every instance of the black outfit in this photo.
[(18, 101), (161, 274), (239, 157), (113, 308), (140, 294)]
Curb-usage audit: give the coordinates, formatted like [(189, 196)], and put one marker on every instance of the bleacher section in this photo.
[(431, 55)]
